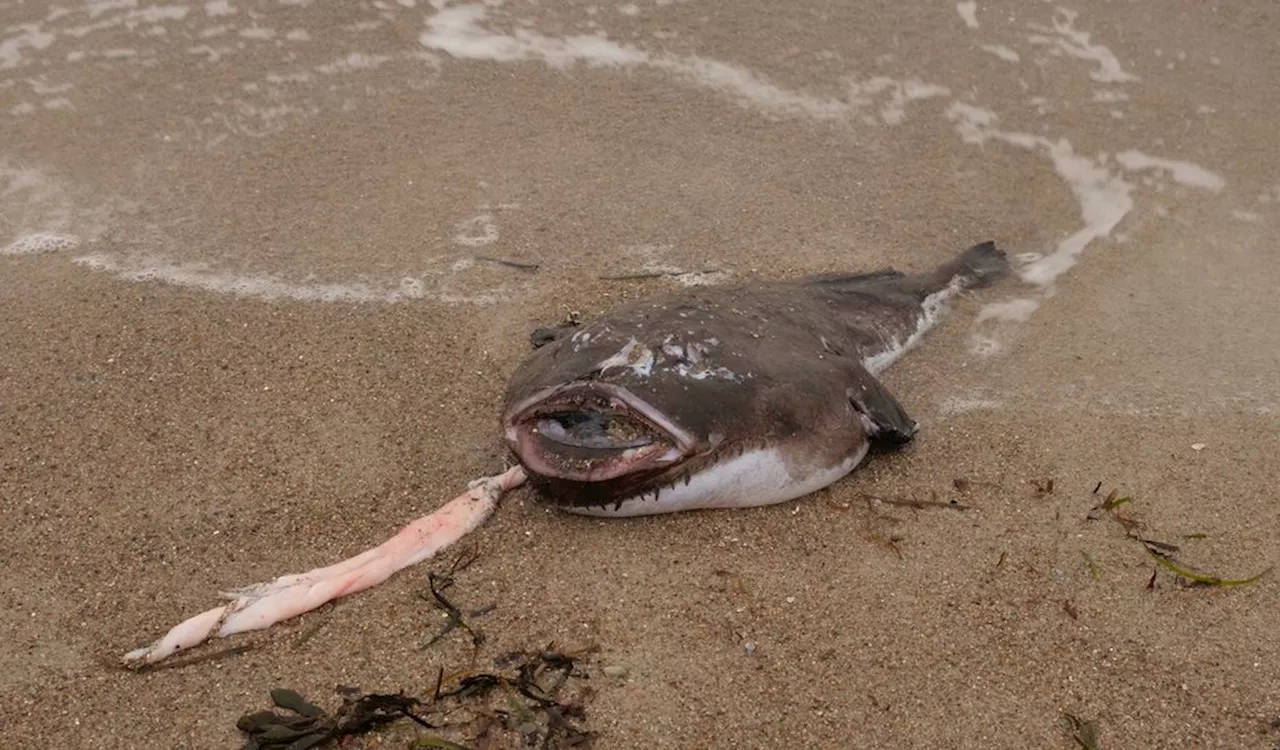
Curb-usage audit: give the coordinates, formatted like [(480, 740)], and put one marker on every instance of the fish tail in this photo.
[(979, 266)]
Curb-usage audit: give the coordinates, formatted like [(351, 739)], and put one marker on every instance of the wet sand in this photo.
[(257, 339)]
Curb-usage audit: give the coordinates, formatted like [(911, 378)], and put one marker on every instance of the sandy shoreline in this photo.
[(161, 440)]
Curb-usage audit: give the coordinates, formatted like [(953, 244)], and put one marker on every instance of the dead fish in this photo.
[(730, 396)]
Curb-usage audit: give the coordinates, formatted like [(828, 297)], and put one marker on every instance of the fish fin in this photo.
[(884, 418), (853, 280), (980, 265)]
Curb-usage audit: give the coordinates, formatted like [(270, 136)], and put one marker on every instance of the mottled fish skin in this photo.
[(764, 392)]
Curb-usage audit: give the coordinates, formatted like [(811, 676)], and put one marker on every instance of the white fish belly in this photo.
[(755, 478)]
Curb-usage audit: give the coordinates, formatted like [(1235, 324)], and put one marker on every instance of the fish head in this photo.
[(590, 430), (606, 418)]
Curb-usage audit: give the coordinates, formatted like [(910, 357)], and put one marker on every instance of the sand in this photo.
[(245, 332)]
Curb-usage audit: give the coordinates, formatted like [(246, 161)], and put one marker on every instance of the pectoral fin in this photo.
[(883, 417)]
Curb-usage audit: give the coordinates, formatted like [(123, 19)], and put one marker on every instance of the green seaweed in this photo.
[(1115, 500), (1205, 579), (1083, 732), (1095, 571)]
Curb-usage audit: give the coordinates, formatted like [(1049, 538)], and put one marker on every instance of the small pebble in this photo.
[(1197, 446), (614, 670), (749, 647)]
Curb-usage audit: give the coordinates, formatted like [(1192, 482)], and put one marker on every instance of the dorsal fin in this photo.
[(856, 279)]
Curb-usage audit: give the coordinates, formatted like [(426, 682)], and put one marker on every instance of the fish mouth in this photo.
[(587, 431)]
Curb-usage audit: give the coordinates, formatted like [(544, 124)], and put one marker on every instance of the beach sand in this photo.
[(256, 338)]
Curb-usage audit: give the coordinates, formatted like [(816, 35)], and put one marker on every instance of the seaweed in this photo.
[(1083, 731), (524, 691), (1095, 572), (529, 705), (518, 265), (456, 620), (657, 274), (1162, 552), (918, 504), (311, 726), (1113, 500), (1164, 560)]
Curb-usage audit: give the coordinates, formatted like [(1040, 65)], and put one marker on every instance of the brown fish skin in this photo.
[(645, 409)]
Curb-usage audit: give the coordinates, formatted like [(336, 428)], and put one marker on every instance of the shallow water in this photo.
[(259, 304)]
